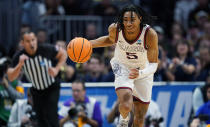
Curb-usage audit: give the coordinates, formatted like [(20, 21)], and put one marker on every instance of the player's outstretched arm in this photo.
[(108, 40)]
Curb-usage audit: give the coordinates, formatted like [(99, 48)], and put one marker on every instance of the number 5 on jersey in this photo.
[(131, 55)]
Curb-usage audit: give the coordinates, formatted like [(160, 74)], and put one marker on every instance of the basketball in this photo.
[(79, 50)]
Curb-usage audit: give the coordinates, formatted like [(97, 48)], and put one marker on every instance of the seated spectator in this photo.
[(203, 112), (80, 109), (96, 68), (204, 42), (105, 8), (53, 7), (31, 13), (42, 36), (176, 35), (9, 92), (162, 39), (199, 97), (202, 6), (108, 54), (183, 65), (201, 20), (203, 68), (162, 73), (182, 10), (91, 33), (22, 113), (33, 10), (193, 37), (77, 7), (207, 30)]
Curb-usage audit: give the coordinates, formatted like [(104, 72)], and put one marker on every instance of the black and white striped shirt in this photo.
[(36, 67)]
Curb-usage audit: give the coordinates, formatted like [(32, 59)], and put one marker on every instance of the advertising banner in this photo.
[(174, 100)]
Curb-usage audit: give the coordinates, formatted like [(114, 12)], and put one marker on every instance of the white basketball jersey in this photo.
[(133, 54)]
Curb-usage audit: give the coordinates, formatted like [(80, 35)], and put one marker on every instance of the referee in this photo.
[(41, 64)]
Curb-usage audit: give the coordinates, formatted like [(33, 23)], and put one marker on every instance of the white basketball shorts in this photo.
[(142, 88)]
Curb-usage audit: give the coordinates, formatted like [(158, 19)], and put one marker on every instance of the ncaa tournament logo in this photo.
[(138, 42), (42, 63)]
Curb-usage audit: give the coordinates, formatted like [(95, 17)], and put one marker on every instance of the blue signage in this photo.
[(175, 101)]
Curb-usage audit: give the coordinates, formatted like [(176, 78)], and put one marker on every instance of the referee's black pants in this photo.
[(45, 104)]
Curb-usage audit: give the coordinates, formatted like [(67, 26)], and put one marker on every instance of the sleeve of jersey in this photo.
[(15, 60), (150, 69), (117, 34), (52, 50)]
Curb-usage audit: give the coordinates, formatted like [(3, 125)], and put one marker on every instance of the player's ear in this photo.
[(140, 18)]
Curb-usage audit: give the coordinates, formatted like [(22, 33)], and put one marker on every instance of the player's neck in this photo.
[(132, 36)]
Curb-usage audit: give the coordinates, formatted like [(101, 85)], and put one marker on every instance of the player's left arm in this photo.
[(152, 54), (152, 45)]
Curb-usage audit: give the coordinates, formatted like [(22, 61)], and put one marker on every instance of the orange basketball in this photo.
[(79, 50)]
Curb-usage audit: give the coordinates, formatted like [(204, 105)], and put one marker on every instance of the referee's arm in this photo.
[(61, 56), (14, 72)]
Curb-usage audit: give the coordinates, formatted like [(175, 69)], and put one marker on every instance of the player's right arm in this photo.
[(14, 72), (108, 40)]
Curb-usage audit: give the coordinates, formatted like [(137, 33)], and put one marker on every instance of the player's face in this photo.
[(131, 22), (29, 43), (78, 92)]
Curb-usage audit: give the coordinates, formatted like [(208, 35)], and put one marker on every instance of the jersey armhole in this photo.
[(117, 34), (145, 40)]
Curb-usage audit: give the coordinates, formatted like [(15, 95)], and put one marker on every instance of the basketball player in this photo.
[(134, 63)]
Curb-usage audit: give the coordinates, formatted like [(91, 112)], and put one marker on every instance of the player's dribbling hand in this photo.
[(22, 59), (134, 73)]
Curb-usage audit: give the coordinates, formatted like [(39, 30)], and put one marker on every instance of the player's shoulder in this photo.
[(113, 33), (151, 37), (151, 32), (113, 27)]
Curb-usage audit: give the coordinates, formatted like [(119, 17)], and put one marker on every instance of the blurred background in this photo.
[(183, 28)]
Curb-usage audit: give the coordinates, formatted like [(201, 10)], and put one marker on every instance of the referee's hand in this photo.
[(22, 59), (52, 71)]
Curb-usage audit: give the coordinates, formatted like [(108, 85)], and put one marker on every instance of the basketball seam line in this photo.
[(87, 54), (73, 52), (81, 51)]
